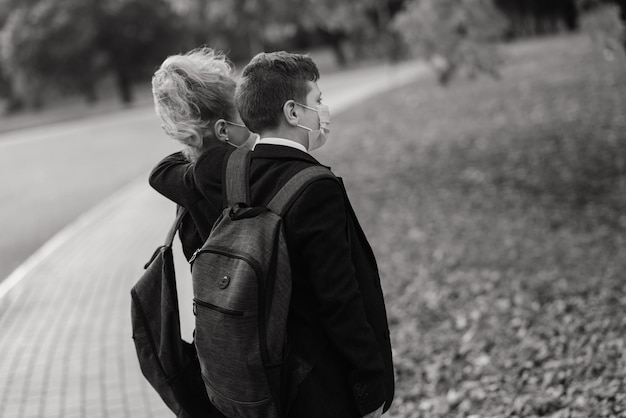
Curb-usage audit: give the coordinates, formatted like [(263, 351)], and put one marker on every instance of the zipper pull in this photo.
[(194, 255)]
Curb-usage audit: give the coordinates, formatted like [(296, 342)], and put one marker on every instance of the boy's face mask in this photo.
[(318, 137)]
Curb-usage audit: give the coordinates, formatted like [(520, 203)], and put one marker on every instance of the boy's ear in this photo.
[(290, 112)]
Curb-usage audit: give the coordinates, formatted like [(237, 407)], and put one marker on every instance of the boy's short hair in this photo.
[(267, 82)]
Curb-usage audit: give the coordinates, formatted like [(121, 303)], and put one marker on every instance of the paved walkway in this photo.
[(65, 337)]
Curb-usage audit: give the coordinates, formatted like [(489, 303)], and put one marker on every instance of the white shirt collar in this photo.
[(280, 141)]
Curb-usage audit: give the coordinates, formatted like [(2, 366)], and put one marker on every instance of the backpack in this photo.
[(169, 363), (242, 290)]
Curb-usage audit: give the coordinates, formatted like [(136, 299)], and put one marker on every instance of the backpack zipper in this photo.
[(252, 263), (216, 308), (255, 266)]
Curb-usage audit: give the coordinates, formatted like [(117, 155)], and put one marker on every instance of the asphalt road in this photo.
[(50, 175)]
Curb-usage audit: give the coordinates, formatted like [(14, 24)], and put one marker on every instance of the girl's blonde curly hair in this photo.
[(191, 90)]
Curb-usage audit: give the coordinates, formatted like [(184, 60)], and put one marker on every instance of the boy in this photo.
[(337, 324)]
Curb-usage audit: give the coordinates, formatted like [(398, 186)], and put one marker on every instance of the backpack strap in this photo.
[(236, 182), (281, 202), (181, 212), (177, 223)]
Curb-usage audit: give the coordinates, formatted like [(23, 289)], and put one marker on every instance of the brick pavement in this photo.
[(66, 347), (65, 341)]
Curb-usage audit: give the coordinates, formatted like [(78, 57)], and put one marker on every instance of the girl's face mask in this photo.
[(250, 140)]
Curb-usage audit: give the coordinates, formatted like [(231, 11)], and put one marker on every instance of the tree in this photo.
[(453, 35), (70, 45), (44, 44), (244, 27), (605, 24), (135, 36), (362, 26), (5, 84), (609, 27), (621, 5), (337, 22), (530, 17)]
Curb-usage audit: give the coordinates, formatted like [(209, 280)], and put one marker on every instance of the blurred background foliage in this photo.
[(496, 211), (52, 47)]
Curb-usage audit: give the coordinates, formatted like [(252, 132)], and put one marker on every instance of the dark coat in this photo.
[(174, 177), (337, 320)]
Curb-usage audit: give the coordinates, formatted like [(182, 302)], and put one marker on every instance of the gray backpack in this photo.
[(242, 289), (167, 361)]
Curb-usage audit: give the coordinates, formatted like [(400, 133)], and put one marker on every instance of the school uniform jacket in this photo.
[(337, 321), (174, 178)]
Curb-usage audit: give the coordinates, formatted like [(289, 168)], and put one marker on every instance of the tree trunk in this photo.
[(14, 104), (445, 73), (337, 46), (384, 35), (571, 16), (622, 15), (90, 92), (124, 85), (622, 9), (335, 40)]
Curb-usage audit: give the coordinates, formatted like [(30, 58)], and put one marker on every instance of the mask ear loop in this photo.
[(227, 139), (310, 108), (305, 106), (235, 124)]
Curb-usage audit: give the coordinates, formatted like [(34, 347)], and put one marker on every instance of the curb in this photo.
[(70, 231)]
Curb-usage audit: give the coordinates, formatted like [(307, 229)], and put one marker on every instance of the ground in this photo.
[(496, 211)]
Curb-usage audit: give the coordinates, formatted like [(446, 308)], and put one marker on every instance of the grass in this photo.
[(496, 210)]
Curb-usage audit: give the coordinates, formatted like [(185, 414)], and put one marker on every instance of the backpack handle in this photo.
[(177, 223), (181, 212), (236, 177), (284, 198), (236, 181)]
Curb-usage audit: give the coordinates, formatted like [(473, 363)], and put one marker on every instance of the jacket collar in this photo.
[(283, 153)]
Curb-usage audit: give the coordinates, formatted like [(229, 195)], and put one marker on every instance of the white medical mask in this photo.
[(249, 144), (251, 141), (318, 137)]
